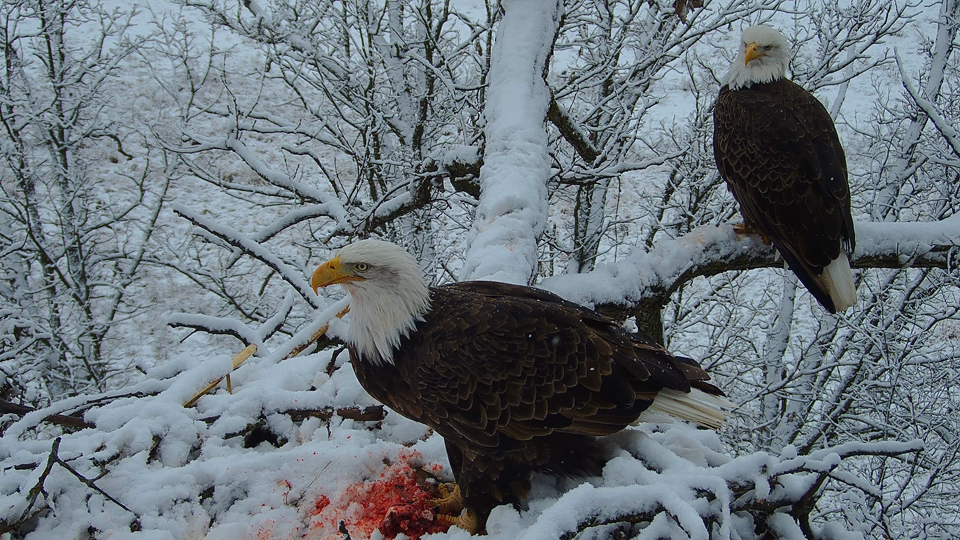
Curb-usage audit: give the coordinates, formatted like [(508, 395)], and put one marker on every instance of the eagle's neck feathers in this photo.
[(386, 307), (380, 319), (770, 67)]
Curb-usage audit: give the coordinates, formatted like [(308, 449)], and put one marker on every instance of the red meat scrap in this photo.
[(395, 502)]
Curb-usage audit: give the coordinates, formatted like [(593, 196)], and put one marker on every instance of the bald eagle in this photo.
[(778, 150), (515, 379)]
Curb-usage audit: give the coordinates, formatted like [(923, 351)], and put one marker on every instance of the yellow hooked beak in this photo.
[(332, 273), (753, 52)]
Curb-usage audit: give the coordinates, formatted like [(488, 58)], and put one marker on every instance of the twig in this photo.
[(251, 349), (89, 483), (251, 248), (37, 489), (374, 413), (119, 145), (571, 132), (316, 335), (239, 359), (58, 419), (332, 366), (32, 495)]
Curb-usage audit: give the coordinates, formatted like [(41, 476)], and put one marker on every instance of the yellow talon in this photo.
[(467, 521), (450, 500), (744, 229)]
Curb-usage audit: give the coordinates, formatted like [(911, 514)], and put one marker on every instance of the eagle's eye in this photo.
[(362, 267), (767, 47)]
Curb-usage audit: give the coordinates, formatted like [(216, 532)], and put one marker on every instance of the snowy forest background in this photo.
[(173, 171)]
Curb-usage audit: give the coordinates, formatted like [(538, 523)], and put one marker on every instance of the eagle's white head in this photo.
[(763, 57), (387, 295)]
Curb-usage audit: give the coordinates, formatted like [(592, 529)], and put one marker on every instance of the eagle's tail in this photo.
[(837, 281), (833, 287), (697, 406)]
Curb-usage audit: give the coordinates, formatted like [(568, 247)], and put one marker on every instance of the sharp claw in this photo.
[(467, 521), (743, 228), (450, 500)]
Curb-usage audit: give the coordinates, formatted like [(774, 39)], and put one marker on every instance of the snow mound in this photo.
[(299, 447)]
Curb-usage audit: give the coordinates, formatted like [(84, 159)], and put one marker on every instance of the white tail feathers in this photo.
[(837, 280), (697, 406)]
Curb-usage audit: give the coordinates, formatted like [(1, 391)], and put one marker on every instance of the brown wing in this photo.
[(498, 364), (778, 150), (517, 379)]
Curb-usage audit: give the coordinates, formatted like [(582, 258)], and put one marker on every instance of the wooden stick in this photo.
[(59, 419), (237, 361), (248, 352), (316, 335)]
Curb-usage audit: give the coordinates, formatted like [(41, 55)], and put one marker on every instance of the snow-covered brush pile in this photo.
[(298, 450)]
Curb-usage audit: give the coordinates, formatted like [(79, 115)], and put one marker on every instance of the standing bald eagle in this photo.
[(515, 379), (778, 150)]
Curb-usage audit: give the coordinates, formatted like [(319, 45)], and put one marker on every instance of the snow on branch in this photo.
[(230, 326), (153, 466), (7, 407), (296, 439), (319, 325), (950, 134), (235, 238), (400, 200), (676, 486), (561, 118), (227, 326), (516, 166), (709, 250)]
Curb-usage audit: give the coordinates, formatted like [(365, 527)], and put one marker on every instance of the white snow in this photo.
[(185, 473), (513, 211), (644, 271)]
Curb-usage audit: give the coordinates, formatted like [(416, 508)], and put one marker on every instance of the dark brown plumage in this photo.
[(777, 148), (516, 380)]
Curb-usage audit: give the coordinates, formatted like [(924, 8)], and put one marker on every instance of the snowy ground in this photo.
[(200, 472)]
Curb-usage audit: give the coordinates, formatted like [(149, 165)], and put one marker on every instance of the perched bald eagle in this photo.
[(778, 150), (515, 379)]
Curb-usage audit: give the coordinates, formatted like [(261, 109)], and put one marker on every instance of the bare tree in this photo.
[(882, 371), (383, 88), (371, 108), (76, 218)]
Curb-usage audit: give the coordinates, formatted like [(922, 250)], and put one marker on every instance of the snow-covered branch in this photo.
[(651, 277), (948, 132), (227, 326), (516, 166), (308, 433), (233, 237)]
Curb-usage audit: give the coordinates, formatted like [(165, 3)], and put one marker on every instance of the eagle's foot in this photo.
[(744, 229), (450, 501), (468, 521)]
